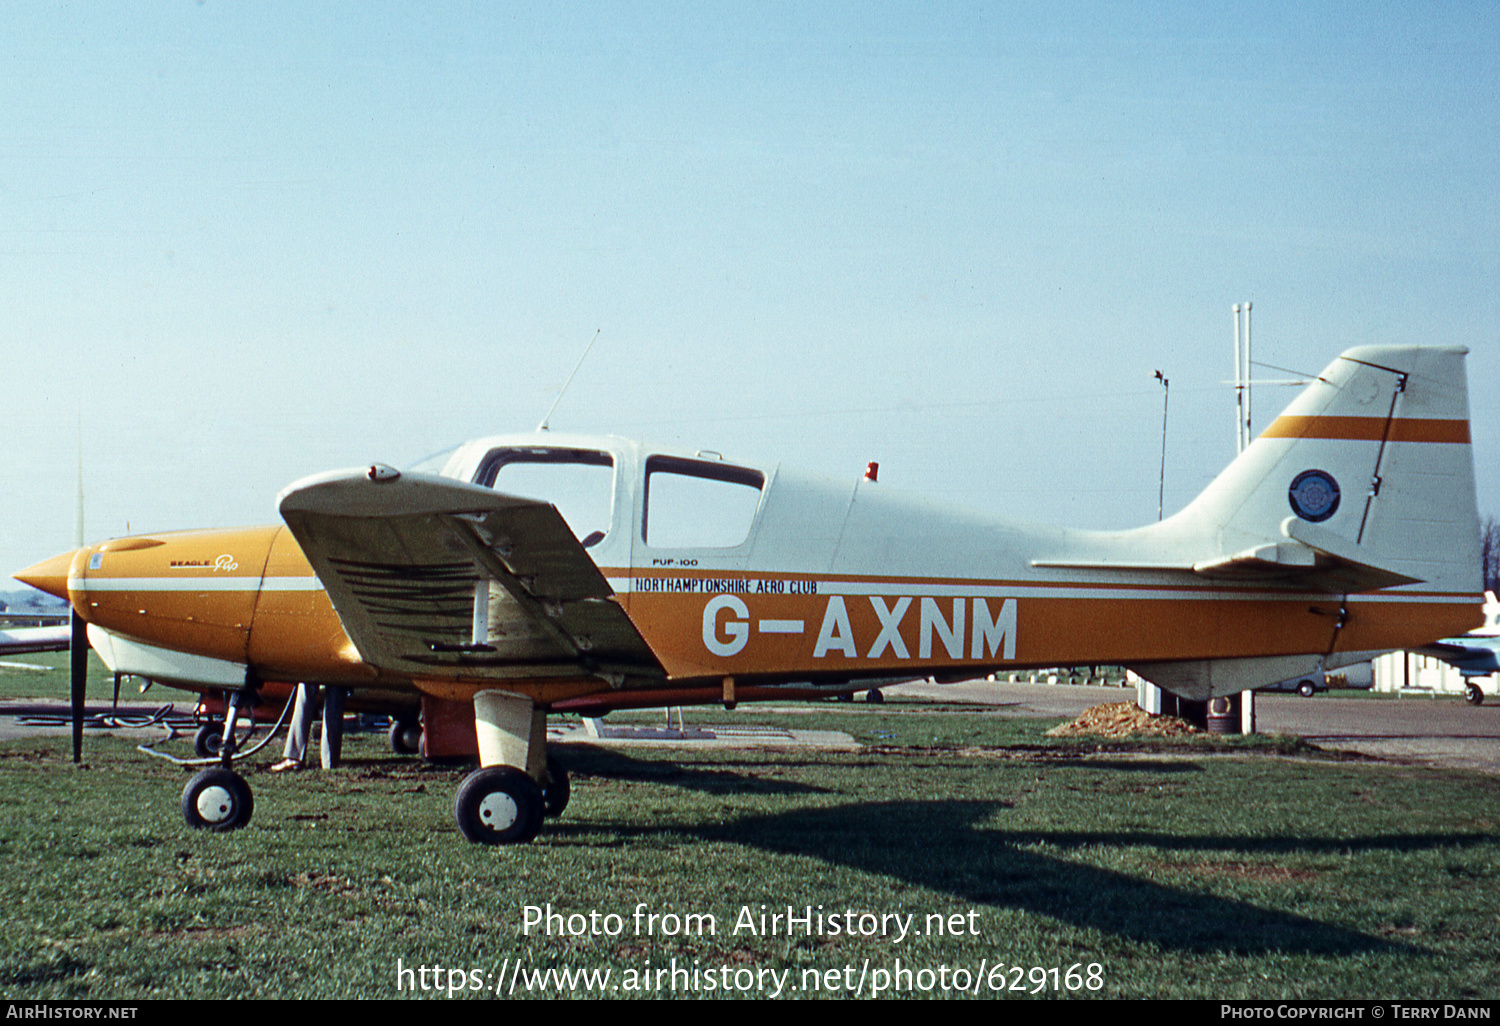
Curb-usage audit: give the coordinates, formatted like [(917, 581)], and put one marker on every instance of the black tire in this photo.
[(208, 739), (498, 805), (874, 696), (406, 737), (1307, 689), (217, 799), (1473, 694), (556, 789)]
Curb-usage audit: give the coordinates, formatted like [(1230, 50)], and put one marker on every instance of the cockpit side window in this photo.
[(698, 503), (579, 482)]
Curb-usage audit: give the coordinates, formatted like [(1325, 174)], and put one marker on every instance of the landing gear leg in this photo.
[(501, 802), (227, 743), (218, 798)]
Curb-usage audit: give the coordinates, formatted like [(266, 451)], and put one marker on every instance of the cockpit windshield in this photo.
[(579, 482), (435, 463)]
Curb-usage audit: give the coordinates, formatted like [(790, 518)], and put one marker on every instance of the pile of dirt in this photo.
[(1122, 719)]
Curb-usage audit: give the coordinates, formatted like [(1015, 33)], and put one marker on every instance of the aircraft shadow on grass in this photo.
[(946, 846), (725, 775), (731, 775)]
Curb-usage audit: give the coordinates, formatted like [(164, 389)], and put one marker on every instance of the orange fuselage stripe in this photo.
[(788, 637), (250, 596)]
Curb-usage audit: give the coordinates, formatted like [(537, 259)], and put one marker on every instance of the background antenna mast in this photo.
[(543, 425)]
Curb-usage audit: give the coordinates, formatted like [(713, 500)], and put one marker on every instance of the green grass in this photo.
[(1206, 868), (54, 683)]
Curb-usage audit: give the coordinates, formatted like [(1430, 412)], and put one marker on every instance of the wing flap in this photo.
[(439, 577)]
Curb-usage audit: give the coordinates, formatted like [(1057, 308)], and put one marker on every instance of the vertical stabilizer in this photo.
[(1370, 467)]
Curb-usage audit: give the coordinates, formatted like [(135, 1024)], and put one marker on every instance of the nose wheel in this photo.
[(217, 799), (499, 805)]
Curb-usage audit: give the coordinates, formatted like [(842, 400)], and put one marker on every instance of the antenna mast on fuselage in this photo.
[(543, 425)]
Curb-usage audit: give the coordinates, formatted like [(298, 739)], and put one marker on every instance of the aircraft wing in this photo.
[(1472, 657), (440, 578), (20, 640)]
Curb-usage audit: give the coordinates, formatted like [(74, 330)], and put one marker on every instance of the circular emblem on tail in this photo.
[(1314, 495)]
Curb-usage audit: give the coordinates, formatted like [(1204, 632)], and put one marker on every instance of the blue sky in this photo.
[(257, 241)]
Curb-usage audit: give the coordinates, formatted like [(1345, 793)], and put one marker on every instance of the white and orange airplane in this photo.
[(520, 575)]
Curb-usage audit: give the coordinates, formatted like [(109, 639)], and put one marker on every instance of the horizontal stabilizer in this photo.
[(1309, 559), (1341, 565)]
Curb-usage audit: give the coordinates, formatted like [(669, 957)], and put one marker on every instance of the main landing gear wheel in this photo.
[(557, 789), (1306, 689), (406, 737), (217, 799), (1472, 694), (498, 805)]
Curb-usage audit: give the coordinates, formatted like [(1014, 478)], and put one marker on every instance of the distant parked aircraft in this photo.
[(18, 640), (1476, 654)]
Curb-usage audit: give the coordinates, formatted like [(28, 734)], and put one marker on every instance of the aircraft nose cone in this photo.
[(50, 575)]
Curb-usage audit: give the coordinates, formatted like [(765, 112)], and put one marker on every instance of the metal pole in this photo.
[(1239, 385), (1242, 439), (1161, 488), (1248, 387)]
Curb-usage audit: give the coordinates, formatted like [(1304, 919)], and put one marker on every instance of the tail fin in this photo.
[(1366, 480)]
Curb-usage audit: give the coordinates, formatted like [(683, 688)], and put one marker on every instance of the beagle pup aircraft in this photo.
[(514, 576)]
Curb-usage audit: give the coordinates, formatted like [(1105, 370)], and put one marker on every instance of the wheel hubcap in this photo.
[(215, 804), (498, 811)]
